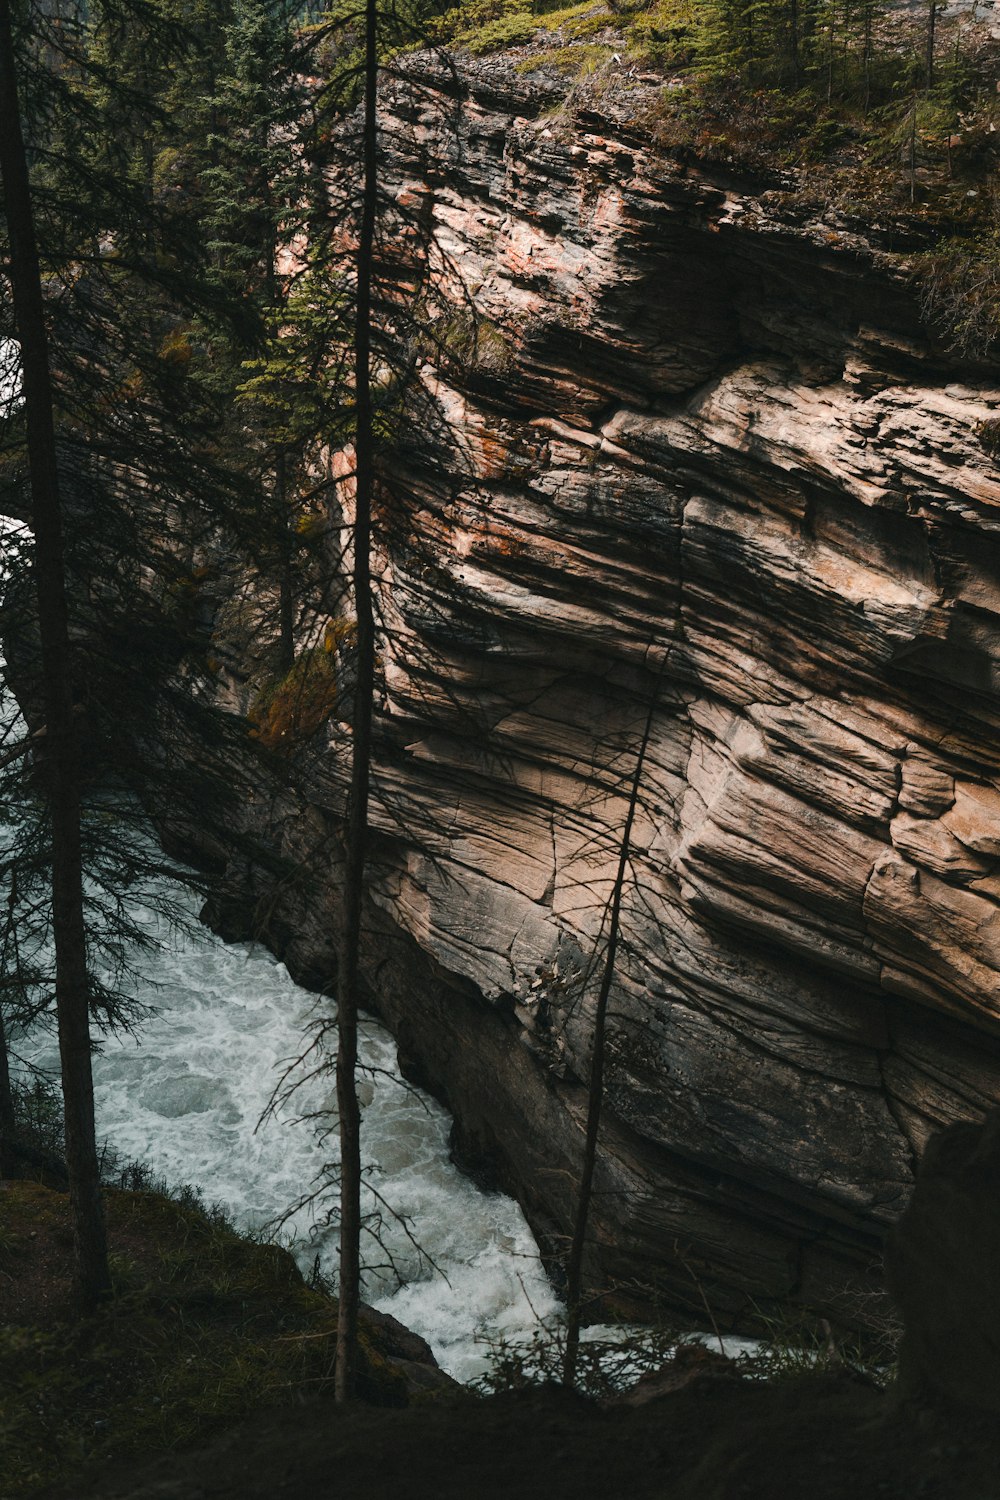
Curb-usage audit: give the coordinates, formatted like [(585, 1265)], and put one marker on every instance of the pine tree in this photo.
[(258, 197), (63, 751), (121, 431)]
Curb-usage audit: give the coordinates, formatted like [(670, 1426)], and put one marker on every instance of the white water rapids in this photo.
[(185, 1096)]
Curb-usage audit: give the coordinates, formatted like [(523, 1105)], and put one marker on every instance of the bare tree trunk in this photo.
[(6, 1110), (749, 40), (932, 11), (595, 1098), (282, 514), (793, 41), (869, 22), (62, 756), (357, 807), (286, 582)]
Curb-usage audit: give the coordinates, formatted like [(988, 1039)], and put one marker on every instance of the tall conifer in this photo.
[(62, 739)]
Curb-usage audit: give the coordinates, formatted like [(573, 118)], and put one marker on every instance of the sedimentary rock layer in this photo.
[(705, 458)]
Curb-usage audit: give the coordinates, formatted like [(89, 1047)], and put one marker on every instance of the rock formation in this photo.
[(704, 453)]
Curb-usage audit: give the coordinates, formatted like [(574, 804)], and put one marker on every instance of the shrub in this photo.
[(38, 1114), (297, 705), (988, 433), (605, 1364), (959, 288)]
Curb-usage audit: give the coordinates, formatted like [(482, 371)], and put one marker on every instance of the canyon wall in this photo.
[(705, 465)]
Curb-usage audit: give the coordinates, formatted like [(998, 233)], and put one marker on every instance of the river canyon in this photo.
[(634, 365), (702, 455), (689, 453)]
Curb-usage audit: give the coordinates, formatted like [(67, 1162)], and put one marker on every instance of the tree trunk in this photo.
[(793, 42), (356, 832), (286, 580), (749, 41), (595, 1098), (7, 1168), (62, 757), (282, 513)]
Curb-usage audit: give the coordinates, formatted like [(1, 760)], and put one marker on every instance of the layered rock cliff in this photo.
[(704, 457)]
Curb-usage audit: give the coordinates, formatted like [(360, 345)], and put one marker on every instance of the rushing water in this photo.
[(186, 1096)]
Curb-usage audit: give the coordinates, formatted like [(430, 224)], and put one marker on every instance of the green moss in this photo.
[(291, 709), (578, 60), (476, 343), (512, 30), (311, 525), (577, 20)]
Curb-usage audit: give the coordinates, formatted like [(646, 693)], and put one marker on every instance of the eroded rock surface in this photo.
[(707, 457)]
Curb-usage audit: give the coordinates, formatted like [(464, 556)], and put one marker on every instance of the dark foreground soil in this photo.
[(207, 1378), (812, 1438)]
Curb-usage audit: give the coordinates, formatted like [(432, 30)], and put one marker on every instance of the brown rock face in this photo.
[(707, 456)]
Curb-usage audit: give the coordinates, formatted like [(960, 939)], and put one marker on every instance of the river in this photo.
[(187, 1096)]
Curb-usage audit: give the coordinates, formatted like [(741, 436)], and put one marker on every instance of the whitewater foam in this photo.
[(187, 1096)]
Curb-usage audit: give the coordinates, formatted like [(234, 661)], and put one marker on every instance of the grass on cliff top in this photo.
[(205, 1326), (846, 130), (483, 26), (845, 111)]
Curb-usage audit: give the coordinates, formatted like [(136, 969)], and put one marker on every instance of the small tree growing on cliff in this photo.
[(595, 1087), (362, 297), (355, 836)]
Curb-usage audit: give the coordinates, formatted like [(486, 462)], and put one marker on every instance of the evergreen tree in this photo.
[(63, 751), (129, 453), (259, 194)]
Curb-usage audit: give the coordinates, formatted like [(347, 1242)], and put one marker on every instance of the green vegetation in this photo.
[(889, 117), (38, 1115), (205, 1325), (481, 26), (295, 706), (796, 1344), (579, 59), (605, 1365), (960, 292), (474, 344)]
